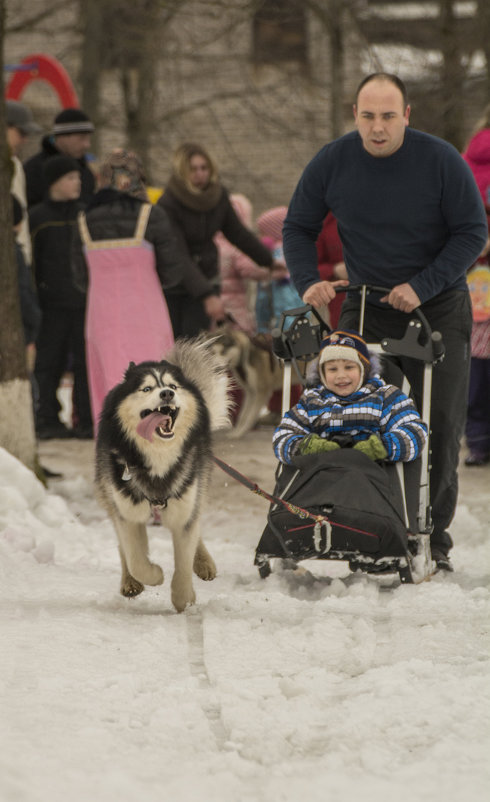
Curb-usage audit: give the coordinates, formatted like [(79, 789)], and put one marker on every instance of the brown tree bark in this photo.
[(16, 416)]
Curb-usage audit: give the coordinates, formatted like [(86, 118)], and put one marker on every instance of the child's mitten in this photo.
[(372, 448), (314, 444)]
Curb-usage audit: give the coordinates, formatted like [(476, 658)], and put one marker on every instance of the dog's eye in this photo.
[(173, 386), (147, 389)]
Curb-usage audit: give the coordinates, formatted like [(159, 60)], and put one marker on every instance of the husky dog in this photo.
[(255, 370), (154, 449)]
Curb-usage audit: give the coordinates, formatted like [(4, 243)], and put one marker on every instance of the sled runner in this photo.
[(340, 505)]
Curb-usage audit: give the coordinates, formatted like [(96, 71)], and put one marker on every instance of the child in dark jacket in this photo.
[(61, 337), (350, 401)]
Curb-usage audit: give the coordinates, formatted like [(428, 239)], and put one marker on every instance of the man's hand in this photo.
[(321, 293), (402, 297), (213, 306)]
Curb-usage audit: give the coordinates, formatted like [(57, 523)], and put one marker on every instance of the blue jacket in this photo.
[(415, 216), (377, 408)]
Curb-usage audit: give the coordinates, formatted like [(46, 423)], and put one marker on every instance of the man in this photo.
[(20, 125), (71, 136), (411, 219)]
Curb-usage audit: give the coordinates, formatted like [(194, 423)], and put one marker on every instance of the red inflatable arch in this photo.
[(39, 67)]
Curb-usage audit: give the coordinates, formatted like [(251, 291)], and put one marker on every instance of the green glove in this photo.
[(372, 448), (314, 444)]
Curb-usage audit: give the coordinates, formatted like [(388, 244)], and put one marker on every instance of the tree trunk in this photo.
[(452, 76), (337, 68), (483, 19), (138, 82), (16, 418), (91, 67)]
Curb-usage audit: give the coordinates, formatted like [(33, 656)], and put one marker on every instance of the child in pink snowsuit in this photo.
[(129, 257)]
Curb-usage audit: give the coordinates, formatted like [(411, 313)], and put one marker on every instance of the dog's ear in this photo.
[(129, 369)]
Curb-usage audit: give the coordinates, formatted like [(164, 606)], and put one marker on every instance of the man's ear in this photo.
[(407, 114)]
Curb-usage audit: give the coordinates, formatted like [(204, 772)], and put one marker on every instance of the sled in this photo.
[(341, 505)]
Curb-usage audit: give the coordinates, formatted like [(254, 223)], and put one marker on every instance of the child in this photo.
[(61, 337), (350, 403)]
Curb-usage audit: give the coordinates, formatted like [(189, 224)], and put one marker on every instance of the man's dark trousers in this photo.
[(450, 314)]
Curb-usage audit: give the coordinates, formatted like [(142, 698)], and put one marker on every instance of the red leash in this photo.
[(293, 508)]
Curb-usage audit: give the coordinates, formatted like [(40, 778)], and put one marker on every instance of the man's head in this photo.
[(381, 112), (62, 175), (20, 124), (344, 362), (72, 131)]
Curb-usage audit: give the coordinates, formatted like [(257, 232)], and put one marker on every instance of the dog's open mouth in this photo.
[(159, 421)]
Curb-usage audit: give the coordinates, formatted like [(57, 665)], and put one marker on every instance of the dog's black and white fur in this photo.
[(154, 449)]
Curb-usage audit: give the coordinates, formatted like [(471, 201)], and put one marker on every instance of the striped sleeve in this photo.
[(295, 425), (403, 432)]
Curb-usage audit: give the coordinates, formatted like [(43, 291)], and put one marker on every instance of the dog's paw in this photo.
[(182, 595), (204, 565), (152, 574), (131, 587)]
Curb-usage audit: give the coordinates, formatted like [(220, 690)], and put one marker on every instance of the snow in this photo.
[(314, 687)]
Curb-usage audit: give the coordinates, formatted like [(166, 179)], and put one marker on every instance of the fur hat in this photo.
[(72, 121), (123, 170), (346, 344), (19, 116), (58, 166)]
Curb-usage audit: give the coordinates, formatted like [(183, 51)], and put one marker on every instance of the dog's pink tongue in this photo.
[(146, 428)]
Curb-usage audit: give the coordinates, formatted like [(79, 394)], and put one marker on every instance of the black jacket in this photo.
[(52, 225), (196, 229), (29, 305), (34, 172), (113, 215)]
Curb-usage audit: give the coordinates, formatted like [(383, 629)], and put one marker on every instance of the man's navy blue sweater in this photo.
[(415, 216)]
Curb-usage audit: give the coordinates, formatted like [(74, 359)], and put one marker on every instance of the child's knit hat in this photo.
[(346, 344), (57, 166)]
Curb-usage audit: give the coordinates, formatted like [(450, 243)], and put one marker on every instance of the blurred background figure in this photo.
[(20, 125), (239, 273), (199, 206), (278, 293), (61, 337), (273, 298), (331, 265), (477, 155), (71, 136), (124, 256), (29, 305)]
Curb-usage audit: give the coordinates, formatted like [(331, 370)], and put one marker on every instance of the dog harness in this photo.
[(159, 503)]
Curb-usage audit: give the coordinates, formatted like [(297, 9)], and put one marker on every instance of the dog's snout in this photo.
[(167, 395)]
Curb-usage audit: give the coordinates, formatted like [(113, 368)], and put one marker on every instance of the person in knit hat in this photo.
[(348, 404), (60, 343), (70, 136)]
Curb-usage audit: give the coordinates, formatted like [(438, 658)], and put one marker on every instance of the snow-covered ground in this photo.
[(282, 690)]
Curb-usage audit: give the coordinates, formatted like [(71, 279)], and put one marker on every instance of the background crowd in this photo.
[(105, 276)]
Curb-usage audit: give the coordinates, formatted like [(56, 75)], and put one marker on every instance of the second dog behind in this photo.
[(255, 370)]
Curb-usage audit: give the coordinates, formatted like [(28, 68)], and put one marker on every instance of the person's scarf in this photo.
[(201, 201)]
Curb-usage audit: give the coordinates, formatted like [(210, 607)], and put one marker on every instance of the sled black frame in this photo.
[(297, 341)]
